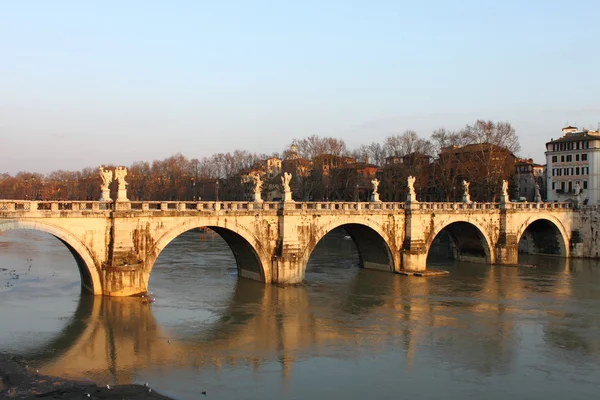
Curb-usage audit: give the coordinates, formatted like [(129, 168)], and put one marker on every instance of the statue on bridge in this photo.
[(375, 194), (120, 174), (504, 197), (466, 195), (107, 178), (538, 194), (412, 196), (285, 183), (258, 186), (375, 183)]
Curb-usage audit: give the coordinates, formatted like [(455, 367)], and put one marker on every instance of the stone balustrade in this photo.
[(212, 206)]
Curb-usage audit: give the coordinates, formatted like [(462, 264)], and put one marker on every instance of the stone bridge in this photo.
[(116, 244)]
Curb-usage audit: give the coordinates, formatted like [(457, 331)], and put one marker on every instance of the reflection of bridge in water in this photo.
[(114, 338)]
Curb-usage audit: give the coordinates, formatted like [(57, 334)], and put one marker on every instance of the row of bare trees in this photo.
[(180, 178)]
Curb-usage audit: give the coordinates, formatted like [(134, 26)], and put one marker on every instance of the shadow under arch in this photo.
[(248, 251), (371, 244), (90, 277), (543, 235), (460, 240)]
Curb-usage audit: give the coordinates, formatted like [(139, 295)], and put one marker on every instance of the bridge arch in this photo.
[(544, 234), (469, 240), (375, 247), (90, 277), (252, 258)]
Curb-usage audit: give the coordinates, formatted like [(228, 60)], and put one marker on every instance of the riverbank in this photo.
[(19, 382)]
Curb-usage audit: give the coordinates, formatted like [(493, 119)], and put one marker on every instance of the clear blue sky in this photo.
[(86, 83)]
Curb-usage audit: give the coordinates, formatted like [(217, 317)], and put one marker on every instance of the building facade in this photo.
[(529, 176), (573, 166)]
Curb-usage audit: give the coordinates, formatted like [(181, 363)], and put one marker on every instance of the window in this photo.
[(577, 171), (554, 159), (562, 158), (585, 184), (569, 158), (562, 186), (584, 157), (577, 155), (553, 185), (578, 145)]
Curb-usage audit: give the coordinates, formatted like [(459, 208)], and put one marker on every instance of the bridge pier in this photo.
[(507, 253), (414, 248), (507, 247), (288, 269), (127, 280), (289, 264), (414, 261)]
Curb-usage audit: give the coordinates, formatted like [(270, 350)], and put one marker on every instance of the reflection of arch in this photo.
[(372, 243), (250, 255), (547, 221), (468, 238), (90, 278), (71, 333)]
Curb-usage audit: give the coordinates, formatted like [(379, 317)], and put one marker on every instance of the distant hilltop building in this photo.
[(573, 166)]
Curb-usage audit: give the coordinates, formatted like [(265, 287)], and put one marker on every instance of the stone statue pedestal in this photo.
[(466, 198), (287, 196), (503, 199), (105, 196), (122, 194), (257, 197), (375, 198), (411, 198)]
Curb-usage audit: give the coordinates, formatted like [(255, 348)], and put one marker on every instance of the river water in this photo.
[(481, 332)]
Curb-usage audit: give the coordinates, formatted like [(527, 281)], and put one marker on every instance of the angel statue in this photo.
[(107, 177), (375, 183), (505, 188), (258, 183), (411, 185), (285, 182), (465, 185), (120, 174)]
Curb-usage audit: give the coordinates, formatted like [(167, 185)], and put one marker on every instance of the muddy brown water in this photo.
[(481, 332)]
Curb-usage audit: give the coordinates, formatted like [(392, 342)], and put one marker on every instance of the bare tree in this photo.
[(315, 145), (407, 143), (373, 153)]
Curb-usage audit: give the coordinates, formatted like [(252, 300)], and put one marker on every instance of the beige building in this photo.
[(573, 166)]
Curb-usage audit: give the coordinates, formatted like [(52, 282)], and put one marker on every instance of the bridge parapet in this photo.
[(35, 206), (344, 206), (540, 206), (456, 206)]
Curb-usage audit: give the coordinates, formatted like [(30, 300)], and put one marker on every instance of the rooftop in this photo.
[(577, 136)]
